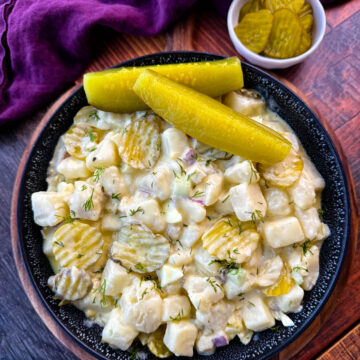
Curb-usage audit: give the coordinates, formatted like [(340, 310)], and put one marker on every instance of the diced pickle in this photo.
[(254, 30), (111, 90), (156, 344), (283, 284), (209, 121), (285, 36), (283, 173)]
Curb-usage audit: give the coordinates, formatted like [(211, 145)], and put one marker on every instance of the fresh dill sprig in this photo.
[(182, 171), (253, 171), (139, 209), (256, 215), (178, 317), (91, 134), (116, 196), (98, 172), (321, 214), (94, 116), (101, 289), (198, 194), (306, 247), (59, 243), (298, 268), (214, 284), (84, 187), (225, 199), (141, 267), (89, 202)]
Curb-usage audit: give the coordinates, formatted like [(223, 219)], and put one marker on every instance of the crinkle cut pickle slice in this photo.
[(285, 36), (254, 30)]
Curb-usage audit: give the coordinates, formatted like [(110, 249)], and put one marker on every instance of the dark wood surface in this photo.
[(329, 78)]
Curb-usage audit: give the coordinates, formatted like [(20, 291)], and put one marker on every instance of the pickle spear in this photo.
[(111, 90), (209, 121)]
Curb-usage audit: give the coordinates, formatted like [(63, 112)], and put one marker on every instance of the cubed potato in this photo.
[(203, 291), (216, 316), (310, 221), (168, 274), (290, 302), (181, 186), (158, 183), (223, 205), (106, 154), (204, 344), (312, 173), (172, 214), (236, 283), (310, 261), (73, 168), (213, 188), (117, 333), (174, 143), (247, 103), (191, 211), (87, 201), (277, 201), (145, 210), (191, 235), (116, 278), (243, 172), (111, 222), (197, 173), (113, 182), (303, 192), (293, 139), (176, 307), (65, 188), (48, 207), (181, 257), (180, 337), (256, 314), (248, 201), (205, 263), (283, 232), (142, 306)]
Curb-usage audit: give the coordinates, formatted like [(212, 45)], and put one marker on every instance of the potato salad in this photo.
[(164, 240)]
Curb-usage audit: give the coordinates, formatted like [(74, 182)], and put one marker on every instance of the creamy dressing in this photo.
[(199, 248)]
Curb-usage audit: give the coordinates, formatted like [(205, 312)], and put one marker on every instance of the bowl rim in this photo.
[(34, 140), (269, 62)]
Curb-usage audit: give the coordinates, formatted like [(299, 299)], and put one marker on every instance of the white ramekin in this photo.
[(271, 63)]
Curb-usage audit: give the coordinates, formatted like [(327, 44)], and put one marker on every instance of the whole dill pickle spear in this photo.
[(209, 121), (111, 90)]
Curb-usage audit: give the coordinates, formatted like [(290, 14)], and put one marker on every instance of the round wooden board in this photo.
[(68, 341)]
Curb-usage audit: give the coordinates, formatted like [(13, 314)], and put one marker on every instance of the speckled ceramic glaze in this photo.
[(335, 203)]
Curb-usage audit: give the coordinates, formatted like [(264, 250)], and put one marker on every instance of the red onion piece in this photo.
[(201, 202), (189, 157), (219, 341)]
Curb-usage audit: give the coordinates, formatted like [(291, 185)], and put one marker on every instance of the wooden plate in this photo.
[(79, 350)]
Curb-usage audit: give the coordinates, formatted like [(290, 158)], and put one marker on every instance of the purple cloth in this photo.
[(45, 45)]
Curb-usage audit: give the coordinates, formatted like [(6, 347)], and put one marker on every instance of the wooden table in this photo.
[(329, 78)]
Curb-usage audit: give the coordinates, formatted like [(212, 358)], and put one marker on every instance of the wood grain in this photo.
[(328, 78)]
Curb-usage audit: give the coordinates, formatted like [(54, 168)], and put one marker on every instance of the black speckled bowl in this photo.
[(335, 202)]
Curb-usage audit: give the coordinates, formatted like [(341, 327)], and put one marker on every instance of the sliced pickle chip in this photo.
[(70, 284), (305, 43), (232, 239), (285, 35), (139, 142), (283, 285), (283, 173), (80, 139), (305, 10), (254, 30), (307, 22), (77, 244), (249, 7), (294, 5), (156, 344), (138, 249)]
